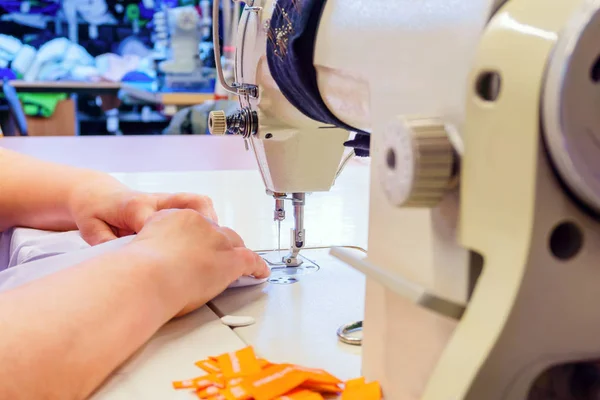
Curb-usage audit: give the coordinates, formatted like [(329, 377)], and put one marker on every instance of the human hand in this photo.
[(200, 258), (104, 209)]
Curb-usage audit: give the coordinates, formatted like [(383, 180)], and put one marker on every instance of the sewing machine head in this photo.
[(295, 154)]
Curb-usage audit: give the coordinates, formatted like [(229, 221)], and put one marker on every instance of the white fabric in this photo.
[(23, 59), (57, 55), (114, 67), (29, 254), (10, 44), (31, 244)]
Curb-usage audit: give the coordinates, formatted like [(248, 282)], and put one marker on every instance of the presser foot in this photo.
[(283, 274), (292, 260)]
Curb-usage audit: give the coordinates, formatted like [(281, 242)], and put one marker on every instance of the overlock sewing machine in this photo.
[(482, 121)]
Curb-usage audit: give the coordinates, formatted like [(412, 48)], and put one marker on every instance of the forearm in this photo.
[(36, 194), (78, 325)]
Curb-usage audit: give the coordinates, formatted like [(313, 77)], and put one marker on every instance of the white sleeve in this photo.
[(51, 257), (33, 254)]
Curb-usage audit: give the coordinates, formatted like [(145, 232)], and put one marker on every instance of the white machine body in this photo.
[(295, 154), (382, 63), (371, 69)]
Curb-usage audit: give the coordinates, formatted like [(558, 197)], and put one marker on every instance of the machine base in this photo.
[(284, 275)]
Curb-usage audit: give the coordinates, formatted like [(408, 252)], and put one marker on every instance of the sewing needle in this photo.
[(279, 236)]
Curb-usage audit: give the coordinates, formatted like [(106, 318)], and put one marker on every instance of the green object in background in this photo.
[(132, 12), (41, 104), (183, 3)]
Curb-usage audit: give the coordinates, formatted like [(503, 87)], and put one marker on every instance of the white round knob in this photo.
[(217, 122), (417, 163)]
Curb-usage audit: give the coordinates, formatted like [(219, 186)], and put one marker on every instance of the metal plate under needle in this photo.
[(283, 275)]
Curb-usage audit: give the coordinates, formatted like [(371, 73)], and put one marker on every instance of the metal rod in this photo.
[(298, 236), (217, 50), (407, 289), (299, 200), (279, 215)]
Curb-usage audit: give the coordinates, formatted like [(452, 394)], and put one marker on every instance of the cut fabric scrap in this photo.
[(241, 375), (364, 391)]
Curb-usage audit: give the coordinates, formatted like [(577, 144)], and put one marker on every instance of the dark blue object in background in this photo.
[(290, 55)]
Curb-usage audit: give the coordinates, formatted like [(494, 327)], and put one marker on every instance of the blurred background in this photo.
[(111, 67)]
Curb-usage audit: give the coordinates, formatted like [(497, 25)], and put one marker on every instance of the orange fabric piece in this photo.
[(209, 392), (264, 363), (241, 375), (301, 394), (274, 381), (236, 393), (234, 382), (355, 382), (198, 383), (241, 363), (318, 375), (368, 391), (321, 387), (209, 366)]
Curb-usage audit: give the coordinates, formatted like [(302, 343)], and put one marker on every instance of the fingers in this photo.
[(201, 204), (234, 238), (138, 211), (95, 231), (250, 263), (160, 214)]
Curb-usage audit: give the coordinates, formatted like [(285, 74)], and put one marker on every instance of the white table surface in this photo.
[(169, 356), (338, 217), (298, 322)]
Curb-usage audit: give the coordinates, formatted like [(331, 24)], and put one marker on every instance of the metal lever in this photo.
[(217, 49), (233, 88), (415, 293)]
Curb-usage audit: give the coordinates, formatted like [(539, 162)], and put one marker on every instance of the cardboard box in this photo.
[(62, 123)]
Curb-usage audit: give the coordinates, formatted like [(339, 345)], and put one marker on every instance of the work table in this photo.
[(294, 323)]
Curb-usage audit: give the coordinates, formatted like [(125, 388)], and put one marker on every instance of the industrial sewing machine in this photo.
[(482, 268), (178, 33)]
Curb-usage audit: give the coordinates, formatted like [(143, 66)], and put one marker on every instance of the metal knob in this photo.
[(217, 122), (418, 162)]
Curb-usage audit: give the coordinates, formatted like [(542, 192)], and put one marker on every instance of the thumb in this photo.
[(138, 216), (251, 263), (95, 231)]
